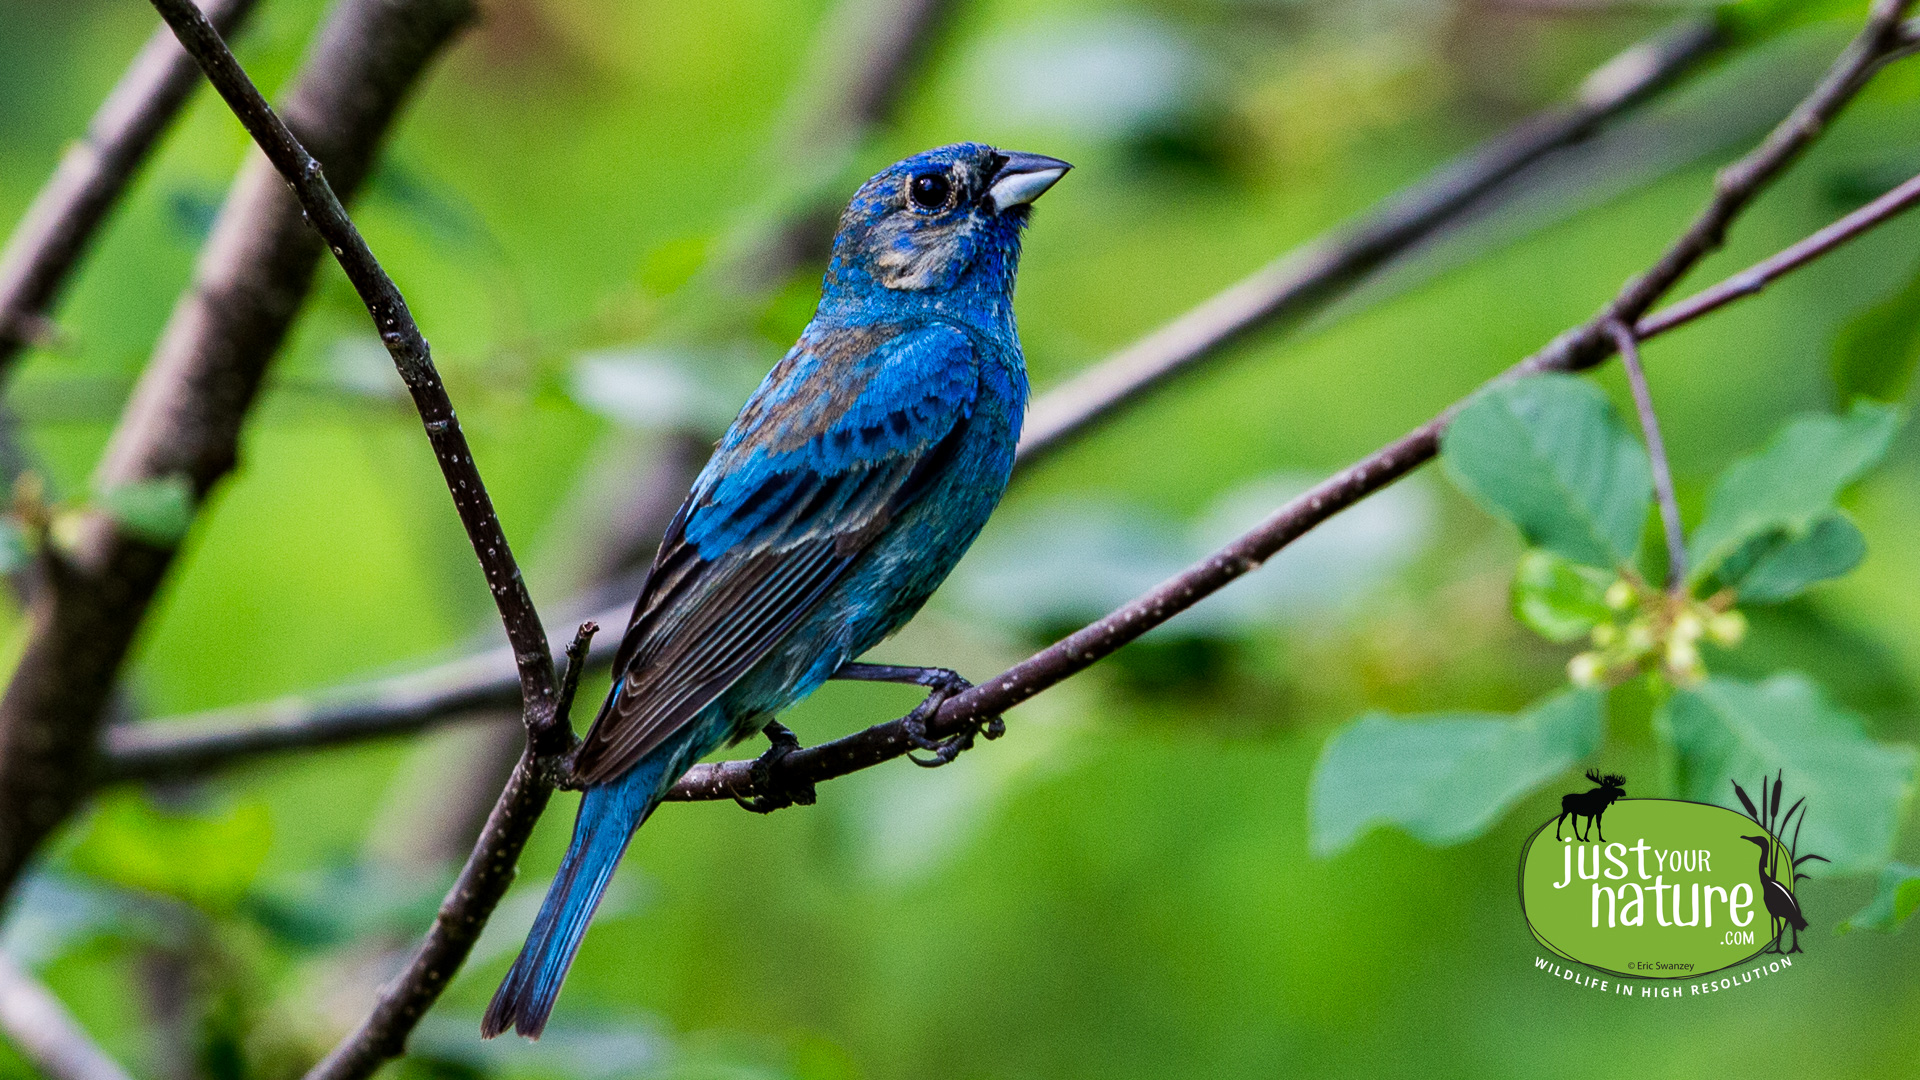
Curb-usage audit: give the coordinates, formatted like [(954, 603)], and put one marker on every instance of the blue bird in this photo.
[(842, 495)]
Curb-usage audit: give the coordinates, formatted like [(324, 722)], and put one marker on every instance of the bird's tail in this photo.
[(609, 814)]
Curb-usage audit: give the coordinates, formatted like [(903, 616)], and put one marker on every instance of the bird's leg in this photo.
[(941, 684), (772, 791)]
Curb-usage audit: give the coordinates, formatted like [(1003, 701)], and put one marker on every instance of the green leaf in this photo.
[(1791, 483), (204, 859), (1875, 352), (1856, 789), (1893, 903), (158, 511), (1557, 599), (1445, 778), (1779, 565), (1550, 455)]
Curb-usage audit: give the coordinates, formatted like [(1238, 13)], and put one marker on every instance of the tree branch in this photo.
[(47, 244), (863, 64), (484, 683), (1629, 350), (45, 1033), (490, 869), (86, 603), (404, 342), (1309, 278)]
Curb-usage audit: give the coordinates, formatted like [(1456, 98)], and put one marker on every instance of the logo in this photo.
[(1664, 888)]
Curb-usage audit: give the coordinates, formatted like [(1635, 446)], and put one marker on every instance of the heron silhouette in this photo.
[(1779, 899)]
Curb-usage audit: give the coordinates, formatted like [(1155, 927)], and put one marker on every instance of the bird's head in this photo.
[(940, 219), (1765, 844)]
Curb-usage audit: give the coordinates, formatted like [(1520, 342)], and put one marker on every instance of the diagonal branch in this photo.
[(45, 1033), (862, 66), (545, 705), (1629, 349), (48, 243), (1309, 278), (194, 745), (403, 340), (87, 601)]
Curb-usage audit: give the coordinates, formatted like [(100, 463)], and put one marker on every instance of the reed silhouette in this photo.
[(1782, 905)]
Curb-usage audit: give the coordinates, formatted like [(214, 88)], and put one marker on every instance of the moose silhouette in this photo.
[(1590, 804)]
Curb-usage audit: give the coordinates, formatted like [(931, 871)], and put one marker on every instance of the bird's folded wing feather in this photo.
[(847, 430)]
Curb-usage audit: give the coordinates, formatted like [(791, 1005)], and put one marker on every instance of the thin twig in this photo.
[(48, 243), (490, 869), (488, 872), (1629, 349), (88, 600), (404, 342), (1312, 276), (1750, 281), (44, 1031)]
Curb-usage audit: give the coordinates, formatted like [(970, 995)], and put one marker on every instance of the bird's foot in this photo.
[(772, 790), (946, 685)]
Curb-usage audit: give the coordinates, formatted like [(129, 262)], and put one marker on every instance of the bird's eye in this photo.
[(929, 191)]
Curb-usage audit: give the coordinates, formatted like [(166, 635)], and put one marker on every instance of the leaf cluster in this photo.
[(1552, 457)]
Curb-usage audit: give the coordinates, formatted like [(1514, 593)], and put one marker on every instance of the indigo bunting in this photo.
[(841, 496)]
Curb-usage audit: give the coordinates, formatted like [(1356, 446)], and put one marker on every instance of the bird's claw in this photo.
[(944, 750), (771, 790)]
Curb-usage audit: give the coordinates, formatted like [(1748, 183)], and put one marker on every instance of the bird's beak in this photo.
[(1022, 178)]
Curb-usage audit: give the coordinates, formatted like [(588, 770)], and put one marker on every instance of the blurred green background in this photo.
[(1121, 887)]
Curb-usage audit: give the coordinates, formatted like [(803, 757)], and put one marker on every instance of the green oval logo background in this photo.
[(1563, 918)]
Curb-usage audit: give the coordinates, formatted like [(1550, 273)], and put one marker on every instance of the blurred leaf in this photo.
[(192, 211), (1875, 352), (437, 208), (1856, 789), (208, 860), (1549, 454), (15, 550), (1779, 566), (1444, 778), (606, 1047), (159, 511), (335, 905), (1893, 903), (54, 913), (1557, 599), (1790, 483), (649, 387), (1749, 21)]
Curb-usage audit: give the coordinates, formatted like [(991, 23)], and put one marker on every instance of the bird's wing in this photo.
[(846, 431)]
